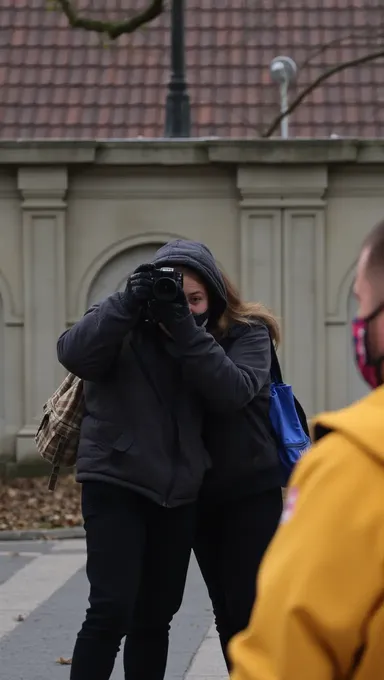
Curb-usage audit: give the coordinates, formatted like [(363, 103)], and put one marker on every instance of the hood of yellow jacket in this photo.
[(362, 423)]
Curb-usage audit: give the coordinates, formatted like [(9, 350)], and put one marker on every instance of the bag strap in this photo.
[(276, 373)]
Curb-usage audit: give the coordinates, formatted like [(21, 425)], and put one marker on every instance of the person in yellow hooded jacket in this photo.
[(319, 612)]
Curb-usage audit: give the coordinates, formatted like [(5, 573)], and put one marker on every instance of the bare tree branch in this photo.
[(111, 28), (368, 34), (315, 84)]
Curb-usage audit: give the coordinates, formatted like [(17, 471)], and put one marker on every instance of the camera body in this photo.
[(166, 283)]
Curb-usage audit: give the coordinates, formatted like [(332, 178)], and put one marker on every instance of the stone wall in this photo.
[(285, 219)]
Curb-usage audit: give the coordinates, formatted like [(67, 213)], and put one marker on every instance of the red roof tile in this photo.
[(59, 82)]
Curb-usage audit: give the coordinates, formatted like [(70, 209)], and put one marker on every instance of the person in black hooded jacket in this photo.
[(149, 370), (240, 502), (241, 499)]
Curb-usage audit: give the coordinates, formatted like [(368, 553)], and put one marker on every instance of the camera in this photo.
[(166, 284)]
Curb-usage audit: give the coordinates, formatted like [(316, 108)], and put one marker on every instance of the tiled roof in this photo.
[(56, 82)]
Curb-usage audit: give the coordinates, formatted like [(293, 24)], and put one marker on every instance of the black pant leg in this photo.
[(250, 528), (208, 552), (245, 527), (115, 522), (166, 563)]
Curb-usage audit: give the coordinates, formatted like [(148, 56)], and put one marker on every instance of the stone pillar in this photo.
[(283, 265), (43, 192)]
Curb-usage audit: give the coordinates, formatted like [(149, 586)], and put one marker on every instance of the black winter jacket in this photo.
[(144, 393), (241, 443), (238, 438)]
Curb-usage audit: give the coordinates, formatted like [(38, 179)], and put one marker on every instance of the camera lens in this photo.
[(165, 289)]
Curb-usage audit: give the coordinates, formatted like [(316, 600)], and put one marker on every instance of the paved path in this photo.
[(43, 596)]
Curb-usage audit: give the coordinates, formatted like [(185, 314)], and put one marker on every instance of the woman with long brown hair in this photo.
[(241, 500)]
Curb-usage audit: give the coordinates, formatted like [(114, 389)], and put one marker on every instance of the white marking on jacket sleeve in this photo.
[(290, 504)]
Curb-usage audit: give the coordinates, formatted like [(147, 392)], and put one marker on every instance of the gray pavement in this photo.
[(43, 596)]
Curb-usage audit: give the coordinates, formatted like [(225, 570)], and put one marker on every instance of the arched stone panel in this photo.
[(113, 275), (356, 387), (130, 244), (344, 384), (344, 296)]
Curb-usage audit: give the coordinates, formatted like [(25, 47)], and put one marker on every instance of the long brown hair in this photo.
[(239, 311)]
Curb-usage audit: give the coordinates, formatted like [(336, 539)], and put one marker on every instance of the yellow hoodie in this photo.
[(320, 607)]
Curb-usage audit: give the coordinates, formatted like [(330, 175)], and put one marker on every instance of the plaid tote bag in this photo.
[(57, 437)]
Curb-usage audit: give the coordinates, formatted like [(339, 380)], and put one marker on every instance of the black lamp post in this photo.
[(178, 112)]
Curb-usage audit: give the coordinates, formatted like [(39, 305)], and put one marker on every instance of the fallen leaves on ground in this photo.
[(27, 504), (64, 662)]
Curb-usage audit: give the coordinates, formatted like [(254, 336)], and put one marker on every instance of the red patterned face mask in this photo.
[(369, 367)]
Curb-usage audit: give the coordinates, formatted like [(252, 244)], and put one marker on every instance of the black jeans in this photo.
[(230, 543), (137, 553)]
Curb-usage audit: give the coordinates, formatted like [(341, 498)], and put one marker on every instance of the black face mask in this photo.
[(201, 319)]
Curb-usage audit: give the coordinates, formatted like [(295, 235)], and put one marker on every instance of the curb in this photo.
[(42, 534)]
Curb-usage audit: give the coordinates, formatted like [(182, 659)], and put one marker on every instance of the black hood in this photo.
[(198, 257)]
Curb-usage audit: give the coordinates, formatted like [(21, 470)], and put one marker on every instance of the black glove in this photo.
[(169, 313), (138, 290)]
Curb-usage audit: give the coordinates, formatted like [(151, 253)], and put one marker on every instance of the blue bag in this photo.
[(288, 420)]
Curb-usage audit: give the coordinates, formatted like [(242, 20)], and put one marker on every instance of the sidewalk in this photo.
[(208, 663), (43, 594)]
